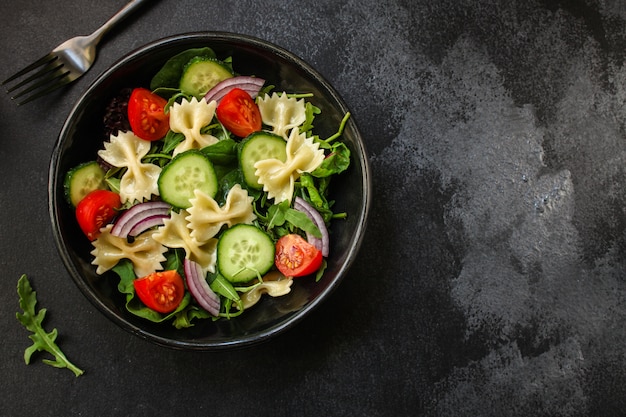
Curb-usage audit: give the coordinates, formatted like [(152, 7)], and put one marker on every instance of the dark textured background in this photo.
[(492, 279)]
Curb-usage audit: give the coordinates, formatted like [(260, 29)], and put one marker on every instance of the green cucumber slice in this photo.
[(81, 180), (244, 252), (201, 74), (170, 73), (186, 172), (257, 147)]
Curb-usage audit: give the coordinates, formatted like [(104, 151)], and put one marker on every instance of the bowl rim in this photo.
[(246, 340)]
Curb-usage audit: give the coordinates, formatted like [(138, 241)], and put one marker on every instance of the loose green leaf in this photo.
[(33, 321)]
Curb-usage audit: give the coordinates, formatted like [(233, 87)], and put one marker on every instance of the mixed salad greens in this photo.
[(210, 191)]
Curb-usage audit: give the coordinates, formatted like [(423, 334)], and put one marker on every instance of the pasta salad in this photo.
[(209, 192)]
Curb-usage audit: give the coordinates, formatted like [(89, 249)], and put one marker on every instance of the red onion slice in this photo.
[(199, 288), (324, 242), (146, 223), (136, 214), (251, 85)]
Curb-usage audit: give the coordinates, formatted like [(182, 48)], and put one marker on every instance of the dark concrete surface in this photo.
[(492, 281)]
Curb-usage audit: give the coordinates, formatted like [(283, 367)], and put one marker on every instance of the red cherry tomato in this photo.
[(295, 257), (96, 210), (161, 291), (239, 113), (146, 114)]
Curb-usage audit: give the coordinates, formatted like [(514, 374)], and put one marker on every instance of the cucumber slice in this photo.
[(185, 173), (257, 147), (244, 252), (81, 180), (201, 74)]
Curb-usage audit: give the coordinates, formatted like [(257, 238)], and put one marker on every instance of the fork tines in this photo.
[(48, 77)]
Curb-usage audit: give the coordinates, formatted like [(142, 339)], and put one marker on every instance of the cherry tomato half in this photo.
[(146, 114), (238, 112), (96, 210), (161, 291), (295, 257)]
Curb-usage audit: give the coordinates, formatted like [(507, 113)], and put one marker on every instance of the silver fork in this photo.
[(63, 64)]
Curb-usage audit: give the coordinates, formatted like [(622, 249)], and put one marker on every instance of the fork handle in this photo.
[(130, 7)]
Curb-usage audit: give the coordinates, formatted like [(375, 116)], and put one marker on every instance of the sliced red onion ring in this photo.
[(146, 223), (251, 85), (199, 288), (322, 243), (137, 214)]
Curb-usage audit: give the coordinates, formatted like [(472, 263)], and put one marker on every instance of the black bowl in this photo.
[(79, 141)]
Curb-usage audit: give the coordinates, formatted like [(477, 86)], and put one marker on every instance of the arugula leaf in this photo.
[(320, 272), (184, 319), (310, 112), (171, 140), (315, 197), (42, 340), (223, 287), (337, 162), (282, 214), (276, 214), (302, 221), (175, 260)]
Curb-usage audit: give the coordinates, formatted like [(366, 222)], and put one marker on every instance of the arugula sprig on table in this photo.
[(33, 321)]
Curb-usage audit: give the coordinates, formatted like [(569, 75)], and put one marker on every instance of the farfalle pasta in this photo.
[(189, 117), (206, 217), (125, 150), (175, 234), (274, 285), (144, 252), (278, 177), (282, 113)]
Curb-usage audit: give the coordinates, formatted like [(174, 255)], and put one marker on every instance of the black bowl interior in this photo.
[(79, 140)]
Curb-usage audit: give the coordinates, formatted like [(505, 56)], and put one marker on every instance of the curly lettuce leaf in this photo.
[(33, 321)]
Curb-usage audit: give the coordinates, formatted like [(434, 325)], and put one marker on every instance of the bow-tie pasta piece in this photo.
[(278, 178), (282, 113), (274, 284), (206, 217), (125, 150), (175, 233), (144, 252), (188, 118)]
